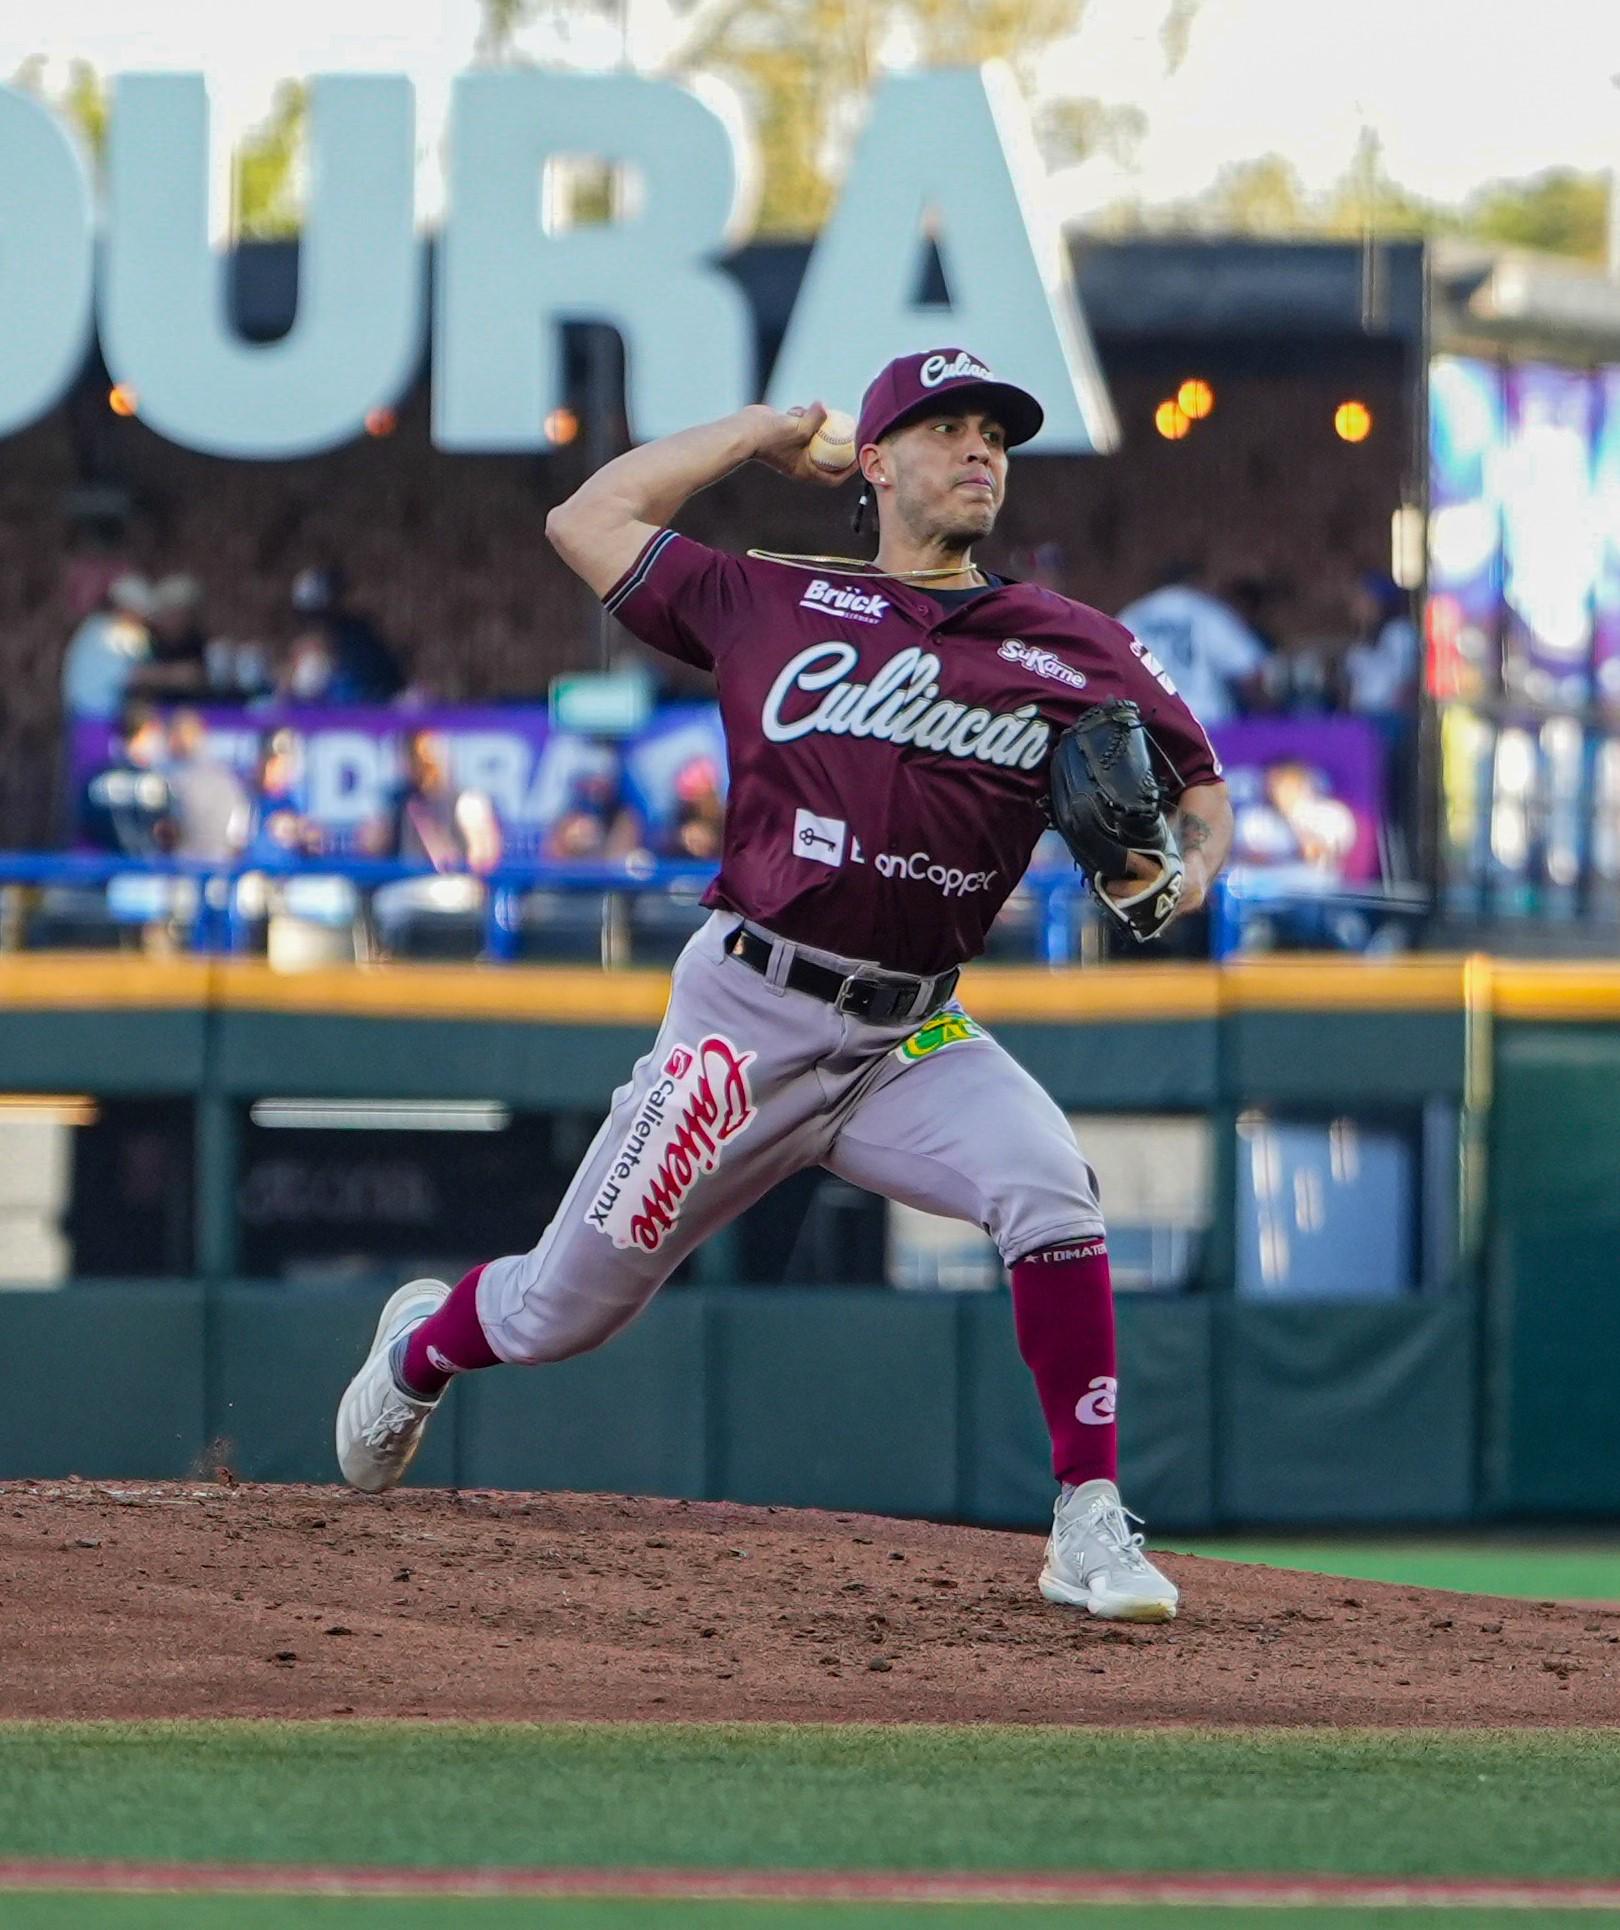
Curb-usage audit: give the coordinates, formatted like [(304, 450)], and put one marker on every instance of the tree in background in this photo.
[(267, 172), (267, 178), (1560, 211), (805, 68), (81, 100)]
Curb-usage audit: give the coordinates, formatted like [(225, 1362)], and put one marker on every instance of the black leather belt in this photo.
[(880, 1001)]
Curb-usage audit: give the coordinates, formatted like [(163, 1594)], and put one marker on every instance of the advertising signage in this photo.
[(946, 160)]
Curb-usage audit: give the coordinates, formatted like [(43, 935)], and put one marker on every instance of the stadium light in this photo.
[(381, 422), (561, 426), (1352, 421), (1171, 420), (122, 399), (1196, 398)]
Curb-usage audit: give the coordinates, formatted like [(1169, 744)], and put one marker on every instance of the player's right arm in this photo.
[(602, 529)]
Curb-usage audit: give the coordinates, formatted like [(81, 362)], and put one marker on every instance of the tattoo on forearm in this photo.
[(1192, 832)]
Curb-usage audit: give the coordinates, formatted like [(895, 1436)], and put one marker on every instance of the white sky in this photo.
[(1459, 91)]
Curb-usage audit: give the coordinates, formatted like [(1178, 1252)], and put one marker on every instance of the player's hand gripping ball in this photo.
[(832, 447)]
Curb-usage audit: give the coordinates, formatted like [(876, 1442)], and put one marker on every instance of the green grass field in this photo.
[(1538, 1570), (413, 1795)]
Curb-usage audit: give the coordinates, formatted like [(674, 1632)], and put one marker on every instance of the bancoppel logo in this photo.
[(864, 606), (1097, 1408), (1042, 662), (949, 880), (937, 369), (821, 839)]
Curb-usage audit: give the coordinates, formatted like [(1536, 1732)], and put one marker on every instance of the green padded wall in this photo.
[(103, 1381), (1554, 1435), (837, 1398), (1346, 1412), (630, 1418)]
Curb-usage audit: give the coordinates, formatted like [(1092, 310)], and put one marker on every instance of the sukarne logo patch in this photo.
[(1042, 662)]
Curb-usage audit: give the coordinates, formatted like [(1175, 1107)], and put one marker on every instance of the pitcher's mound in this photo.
[(177, 1600)]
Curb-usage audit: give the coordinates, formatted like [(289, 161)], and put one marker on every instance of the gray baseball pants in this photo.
[(749, 1081)]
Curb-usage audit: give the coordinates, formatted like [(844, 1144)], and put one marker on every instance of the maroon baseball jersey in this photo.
[(888, 755)]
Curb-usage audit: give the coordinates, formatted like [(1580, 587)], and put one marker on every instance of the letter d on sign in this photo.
[(46, 260)]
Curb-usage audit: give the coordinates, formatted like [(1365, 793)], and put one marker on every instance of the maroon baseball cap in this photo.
[(913, 385)]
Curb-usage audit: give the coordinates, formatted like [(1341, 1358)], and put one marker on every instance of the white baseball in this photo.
[(833, 445)]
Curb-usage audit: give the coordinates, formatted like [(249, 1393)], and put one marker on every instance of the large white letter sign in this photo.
[(165, 317), (953, 145), (505, 282), (47, 260)]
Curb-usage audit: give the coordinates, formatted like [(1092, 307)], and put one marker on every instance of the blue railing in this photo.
[(219, 923)]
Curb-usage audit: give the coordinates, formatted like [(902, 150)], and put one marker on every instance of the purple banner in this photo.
[(1306, 790), (347, 764)]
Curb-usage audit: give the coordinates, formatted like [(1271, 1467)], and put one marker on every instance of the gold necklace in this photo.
[(862, 566)]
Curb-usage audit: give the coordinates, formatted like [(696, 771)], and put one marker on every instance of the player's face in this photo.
[(949, 474)]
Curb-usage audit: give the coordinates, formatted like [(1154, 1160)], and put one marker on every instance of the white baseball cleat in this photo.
[(1093, 1561), (379, 1425)]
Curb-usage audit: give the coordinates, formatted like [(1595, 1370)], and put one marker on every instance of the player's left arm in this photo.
[(1202, 822)]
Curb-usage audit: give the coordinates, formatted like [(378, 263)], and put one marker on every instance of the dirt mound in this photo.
[(173, 1600)]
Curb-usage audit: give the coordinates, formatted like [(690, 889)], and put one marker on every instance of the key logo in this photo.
[(819, 839), (1096, 1409)]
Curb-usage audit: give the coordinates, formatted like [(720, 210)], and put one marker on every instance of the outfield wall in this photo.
[(1484, 1394)]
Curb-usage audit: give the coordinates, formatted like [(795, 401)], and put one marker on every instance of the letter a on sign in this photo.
[(955, 144)]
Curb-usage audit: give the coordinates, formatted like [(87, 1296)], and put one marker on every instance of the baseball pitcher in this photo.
[(900, 734)]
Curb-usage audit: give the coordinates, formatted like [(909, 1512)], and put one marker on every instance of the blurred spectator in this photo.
[(278, 826), (212, 811), (1213, 658), (337, 657), (129, 807), (430, 822), (699, 824), (177, 662), (1380, 668), (598, 822), (107, 650), (1286, 814)]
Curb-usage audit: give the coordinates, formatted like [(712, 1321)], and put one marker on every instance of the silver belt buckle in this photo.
[(840, 1003)]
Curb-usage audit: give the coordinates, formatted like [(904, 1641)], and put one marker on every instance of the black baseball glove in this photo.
[(1109, 806)]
